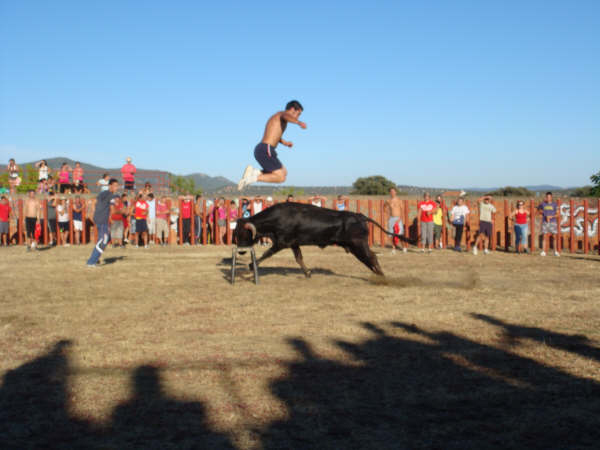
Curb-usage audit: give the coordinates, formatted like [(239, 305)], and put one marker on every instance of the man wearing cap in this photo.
[(104, 209), (128, 172)]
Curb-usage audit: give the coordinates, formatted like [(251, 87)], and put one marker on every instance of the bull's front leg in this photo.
[(270, 252), (300, 261)]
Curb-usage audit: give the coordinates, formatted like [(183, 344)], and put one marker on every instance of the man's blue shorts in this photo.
[(267, 157), (141, 226)]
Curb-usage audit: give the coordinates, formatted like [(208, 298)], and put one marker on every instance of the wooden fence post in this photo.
[(444, 235), (180, 230), (204, 222), (467, 228), (227, 227), (20, 222), (406, 232), (507, 236), (558, 245), (572, 226), (70, 221), (598, 224), (585, 227), (83, 224), (382, 234), (370, 212), (193, 223), (45, 223), (532, 214)]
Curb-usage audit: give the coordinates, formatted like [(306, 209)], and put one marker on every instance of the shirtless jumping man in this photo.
[(32, 215), (272, 169), (396, 211)]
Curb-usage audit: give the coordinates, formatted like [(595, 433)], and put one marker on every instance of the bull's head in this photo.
[(245, 233)]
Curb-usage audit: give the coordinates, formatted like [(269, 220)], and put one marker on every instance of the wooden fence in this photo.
[(578, 223)]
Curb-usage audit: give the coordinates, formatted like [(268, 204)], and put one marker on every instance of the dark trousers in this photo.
[(186, 228), (458, 234)]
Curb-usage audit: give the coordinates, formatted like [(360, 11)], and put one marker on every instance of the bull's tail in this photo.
[(399, 236)]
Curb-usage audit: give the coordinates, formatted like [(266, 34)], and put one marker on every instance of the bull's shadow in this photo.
[(430, 390)]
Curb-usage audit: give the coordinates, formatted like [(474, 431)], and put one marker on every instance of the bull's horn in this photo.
[(251, 227)]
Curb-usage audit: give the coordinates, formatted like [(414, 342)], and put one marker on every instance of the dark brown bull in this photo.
[(290, 225)]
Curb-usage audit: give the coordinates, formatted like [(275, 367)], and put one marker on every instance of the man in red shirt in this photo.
[(128, 172), (141, 226), (4, 219), (426, 209), (162, 220), (186, 217)]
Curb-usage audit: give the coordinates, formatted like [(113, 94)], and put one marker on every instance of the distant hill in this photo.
[(210, 184)]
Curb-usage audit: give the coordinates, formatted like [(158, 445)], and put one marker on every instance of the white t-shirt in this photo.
[(258, 206), (103, 184), (43, 173), (485, 211), (62, 213), (316, 202), (458, 212)]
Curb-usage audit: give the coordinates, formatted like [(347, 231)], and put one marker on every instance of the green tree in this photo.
[(373, 185), (596, 188), (511, 191), (290, 191), (182, 185)]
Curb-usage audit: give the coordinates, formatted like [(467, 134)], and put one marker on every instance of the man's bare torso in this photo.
[(274, 129), (395, 207), (31, 207)]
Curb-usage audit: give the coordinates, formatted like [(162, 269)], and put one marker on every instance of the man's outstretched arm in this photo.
[(289, 118), (286, 143)]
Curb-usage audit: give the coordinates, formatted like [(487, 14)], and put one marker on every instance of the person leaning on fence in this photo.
[(162, 221), (151, 217), (438, 223), (187, 205), (13, 175), (32, 215), (103, 182), (77, 219), (104, 208), (141, 225), (116, 222), (520, 218), (64, 174), (549, 209), (486, 209), (78, 178), (5, 213), (426, 208), (393, 205), (43, 170), (458, 217), (62, 211)]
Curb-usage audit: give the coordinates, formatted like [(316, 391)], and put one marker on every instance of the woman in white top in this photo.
[(62, 214), (13, 175), (43, 170), (459, 216)]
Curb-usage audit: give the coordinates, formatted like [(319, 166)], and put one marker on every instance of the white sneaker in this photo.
[(556, 253), (422, 250), (393, 251), (543, 253), (146, 246), (486, 251), (475, 250), (404, 250), (429, 250), (250, 176)]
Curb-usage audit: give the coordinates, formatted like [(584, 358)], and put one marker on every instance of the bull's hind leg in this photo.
[(300, 261), (364, 254)]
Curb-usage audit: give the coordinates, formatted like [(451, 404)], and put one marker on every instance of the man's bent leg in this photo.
[(103, 238), (277, 176)]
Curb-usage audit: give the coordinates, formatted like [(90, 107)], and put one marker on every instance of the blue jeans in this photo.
[(521, 235), (103, 239)]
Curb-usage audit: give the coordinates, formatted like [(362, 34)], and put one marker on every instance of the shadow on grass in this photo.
[(429, 390), (34, 412), (113, 259)]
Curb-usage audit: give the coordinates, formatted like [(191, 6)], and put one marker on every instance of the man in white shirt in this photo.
[(486, 209)]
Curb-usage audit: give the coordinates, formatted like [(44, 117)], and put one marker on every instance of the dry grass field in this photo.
[(156, 349)]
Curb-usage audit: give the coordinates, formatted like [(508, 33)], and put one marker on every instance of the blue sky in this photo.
[(437, 93)]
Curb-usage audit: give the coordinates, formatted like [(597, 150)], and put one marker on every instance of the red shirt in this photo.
[(162, 210), (186, 210), (128, 172), (118, 215), (521, 218), (141, 209), (425, 208), (4, 212)]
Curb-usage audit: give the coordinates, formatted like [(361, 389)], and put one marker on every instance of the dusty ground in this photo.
[(155, 349)]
